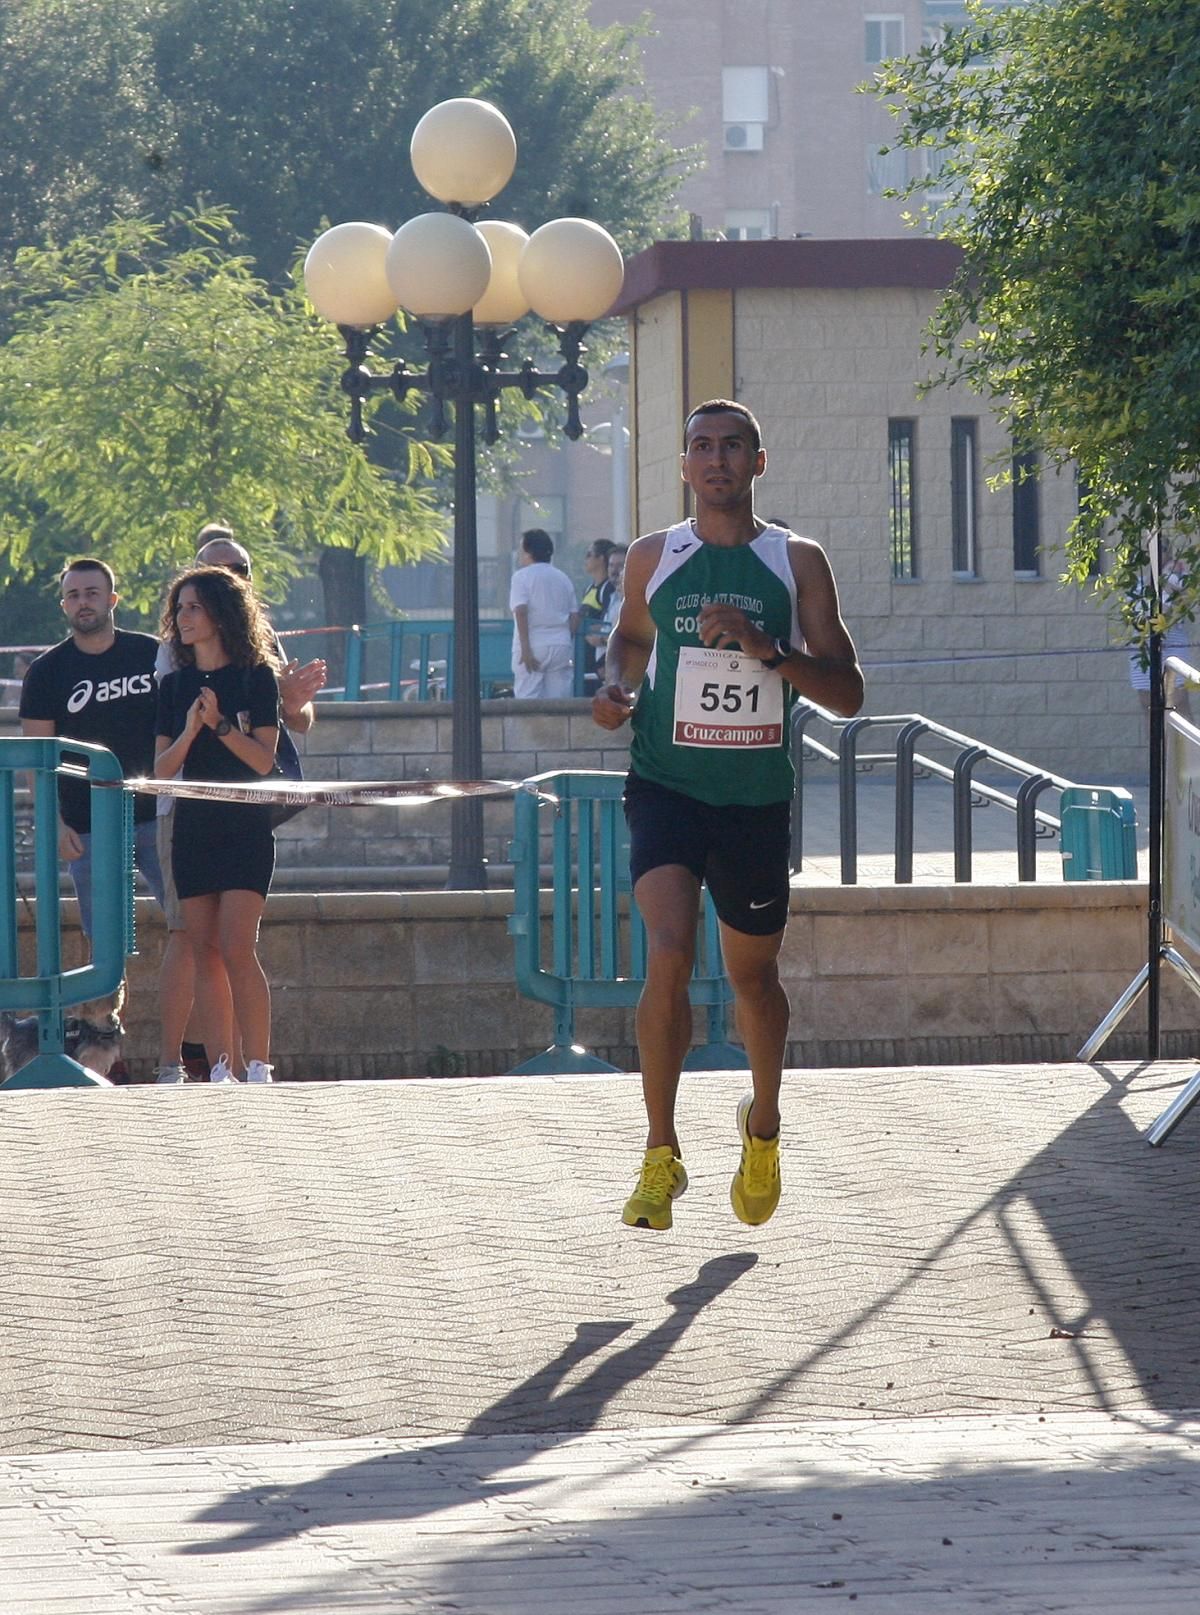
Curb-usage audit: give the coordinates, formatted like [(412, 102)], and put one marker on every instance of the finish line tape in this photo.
[(312, 793)]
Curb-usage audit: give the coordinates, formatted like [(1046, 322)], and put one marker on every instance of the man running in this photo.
[(726, 619)]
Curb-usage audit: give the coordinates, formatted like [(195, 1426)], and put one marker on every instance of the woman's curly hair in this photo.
[(232, 604)]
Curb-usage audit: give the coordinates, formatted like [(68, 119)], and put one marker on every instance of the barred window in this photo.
[(1026, 512), (902, 483), (964, 496)]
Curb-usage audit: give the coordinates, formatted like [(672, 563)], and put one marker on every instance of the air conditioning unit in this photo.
[(743, 137)]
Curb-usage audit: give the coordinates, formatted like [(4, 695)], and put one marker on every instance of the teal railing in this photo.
[(596, 956), (51, 989), (415, 661)]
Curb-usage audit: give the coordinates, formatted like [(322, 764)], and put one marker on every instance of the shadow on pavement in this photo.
[(1120, 1216), (541, 1404)]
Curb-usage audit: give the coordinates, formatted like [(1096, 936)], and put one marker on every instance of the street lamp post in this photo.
[(461, 279)]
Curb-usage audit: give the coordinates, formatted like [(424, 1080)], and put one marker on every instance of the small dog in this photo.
[(93, 1036)]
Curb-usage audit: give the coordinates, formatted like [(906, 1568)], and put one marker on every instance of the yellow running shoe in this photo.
[(754, 1192), (663, 1180)]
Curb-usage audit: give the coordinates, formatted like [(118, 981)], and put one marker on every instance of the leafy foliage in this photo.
[(1069, 134), (145, 391), (291, 114)]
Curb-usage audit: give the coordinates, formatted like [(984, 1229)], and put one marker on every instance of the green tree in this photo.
[(85, 133), (291, 114), (1067, 134), (145, 391)]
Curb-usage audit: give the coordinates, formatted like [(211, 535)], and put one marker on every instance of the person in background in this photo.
[(218, 720), (545, 617), (96, 685), (592, 606), (180, 1050), (615, 569)]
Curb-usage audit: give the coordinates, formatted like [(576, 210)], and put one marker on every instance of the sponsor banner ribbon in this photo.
[(317, 793)]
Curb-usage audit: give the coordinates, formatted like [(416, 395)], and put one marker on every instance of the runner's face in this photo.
[(193, 621), (88, 602), (720, 461)]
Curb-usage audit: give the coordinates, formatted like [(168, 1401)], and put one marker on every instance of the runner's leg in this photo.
[(762, 1013), (668, 898)]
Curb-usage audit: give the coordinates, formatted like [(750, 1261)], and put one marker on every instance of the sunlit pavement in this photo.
[(387, 1346)]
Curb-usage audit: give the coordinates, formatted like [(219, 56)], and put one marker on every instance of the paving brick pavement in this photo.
[(495, 1398)]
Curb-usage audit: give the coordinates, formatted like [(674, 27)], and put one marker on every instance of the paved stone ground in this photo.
[(980, 1290)]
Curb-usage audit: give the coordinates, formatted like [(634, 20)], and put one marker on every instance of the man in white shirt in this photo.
[(545, 616)]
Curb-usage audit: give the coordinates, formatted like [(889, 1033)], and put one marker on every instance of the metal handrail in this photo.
[(50, 988), (1032, 821)]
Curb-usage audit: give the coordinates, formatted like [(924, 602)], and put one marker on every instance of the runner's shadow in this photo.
[(410, 1485)]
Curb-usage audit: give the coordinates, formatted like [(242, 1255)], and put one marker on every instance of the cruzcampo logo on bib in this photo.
[(726, 699)]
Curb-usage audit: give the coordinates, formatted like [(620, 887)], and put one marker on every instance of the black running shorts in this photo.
[(741, 852)]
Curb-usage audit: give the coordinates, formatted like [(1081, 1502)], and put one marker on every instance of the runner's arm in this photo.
[(827, 670)]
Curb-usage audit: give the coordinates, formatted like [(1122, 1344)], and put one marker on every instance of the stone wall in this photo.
[(400, 740), (422, 984)]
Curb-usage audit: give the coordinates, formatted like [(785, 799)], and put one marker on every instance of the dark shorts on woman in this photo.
[(740, 852), (222, 847)]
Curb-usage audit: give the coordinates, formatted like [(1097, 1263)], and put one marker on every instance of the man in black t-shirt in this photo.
[(96, 685)]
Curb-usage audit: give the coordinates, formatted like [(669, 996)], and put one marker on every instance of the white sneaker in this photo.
[(221, 1071), (259, 1071), (171, 1073)]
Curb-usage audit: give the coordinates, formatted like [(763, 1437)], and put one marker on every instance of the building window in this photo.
[(902, 483), (745, 94), (964, 496), (887, 170), (748, 224), (1026, 512), (884, 38)]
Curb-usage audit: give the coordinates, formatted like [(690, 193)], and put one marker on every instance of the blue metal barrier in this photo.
[(51, 989), (598, 947), (1099, 833), (420, 659)]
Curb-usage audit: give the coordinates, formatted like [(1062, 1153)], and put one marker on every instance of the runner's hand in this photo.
[(611, 706), (727, 626)]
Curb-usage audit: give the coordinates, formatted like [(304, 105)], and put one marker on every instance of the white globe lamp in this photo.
[(572, 270), (464, 151), (344, 275), (504, 303), (438, 266)]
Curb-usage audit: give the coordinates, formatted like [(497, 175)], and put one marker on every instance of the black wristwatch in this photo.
[(782, 651), (222, 727)]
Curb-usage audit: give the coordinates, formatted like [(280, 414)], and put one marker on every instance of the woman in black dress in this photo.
[(218, 720)]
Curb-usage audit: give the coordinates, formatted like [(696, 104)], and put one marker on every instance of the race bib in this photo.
[(727, 700)]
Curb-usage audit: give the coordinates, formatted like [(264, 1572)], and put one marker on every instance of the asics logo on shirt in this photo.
[(109, 690)]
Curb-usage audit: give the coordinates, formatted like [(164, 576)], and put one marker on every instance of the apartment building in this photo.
[(769, 92)]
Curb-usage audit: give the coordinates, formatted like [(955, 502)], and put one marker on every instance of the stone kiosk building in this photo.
[(949, 580)]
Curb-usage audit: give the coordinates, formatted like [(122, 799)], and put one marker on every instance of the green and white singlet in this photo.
[(714, 723)]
